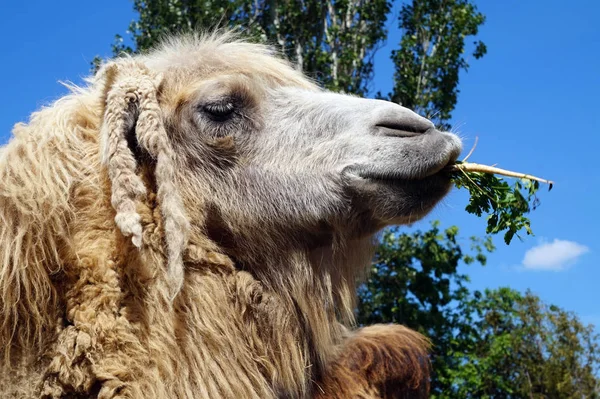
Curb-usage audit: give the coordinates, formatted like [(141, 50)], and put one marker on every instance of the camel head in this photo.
[(263, 156)]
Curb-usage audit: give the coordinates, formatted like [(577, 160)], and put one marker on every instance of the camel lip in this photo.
[(391, 177), (371, 172)]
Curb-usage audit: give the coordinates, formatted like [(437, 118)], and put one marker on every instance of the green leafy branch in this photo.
[(506, 205)]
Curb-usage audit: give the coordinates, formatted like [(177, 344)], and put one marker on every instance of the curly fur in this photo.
[(87, 311)]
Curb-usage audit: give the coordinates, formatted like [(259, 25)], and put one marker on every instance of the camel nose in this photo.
[(401, 122)]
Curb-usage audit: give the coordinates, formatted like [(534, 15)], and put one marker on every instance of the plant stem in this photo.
[(476, 167)]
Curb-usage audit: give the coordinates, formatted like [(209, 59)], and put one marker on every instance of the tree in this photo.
[(330, 40), (515, 346), (431, 55), (499, 344)]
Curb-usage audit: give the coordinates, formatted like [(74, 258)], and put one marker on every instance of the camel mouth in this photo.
[(394, 174), (416, 165)]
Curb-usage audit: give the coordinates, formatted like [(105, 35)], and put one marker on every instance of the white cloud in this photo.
[(556, 255)]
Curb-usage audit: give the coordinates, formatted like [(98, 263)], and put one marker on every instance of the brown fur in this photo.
[(378, 361), (85, 313)]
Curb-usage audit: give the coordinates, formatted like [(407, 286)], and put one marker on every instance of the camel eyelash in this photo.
[(223, 109)]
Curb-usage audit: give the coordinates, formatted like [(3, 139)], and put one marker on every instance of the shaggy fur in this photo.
[(130, 268)]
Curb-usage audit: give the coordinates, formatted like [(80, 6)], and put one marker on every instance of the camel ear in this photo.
[(131, 105)]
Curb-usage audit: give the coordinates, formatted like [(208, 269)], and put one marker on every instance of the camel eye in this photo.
[(219, 111)]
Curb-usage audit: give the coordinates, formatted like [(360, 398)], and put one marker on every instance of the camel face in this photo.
[(308, 162)]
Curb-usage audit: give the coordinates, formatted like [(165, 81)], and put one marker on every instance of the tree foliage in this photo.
[(516, 346), (499, 344), (505, 205), (333, 41), (431, 55)]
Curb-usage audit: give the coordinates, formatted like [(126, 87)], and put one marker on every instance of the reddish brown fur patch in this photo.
[(381, 361)]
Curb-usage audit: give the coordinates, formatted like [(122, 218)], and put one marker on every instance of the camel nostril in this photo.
[(404, 128)]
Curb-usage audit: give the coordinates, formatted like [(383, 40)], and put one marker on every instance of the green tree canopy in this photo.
[(499, 344), (519, 347), (332, 41), (431, 55)]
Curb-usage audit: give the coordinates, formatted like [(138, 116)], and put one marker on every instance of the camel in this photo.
[(193, 224)]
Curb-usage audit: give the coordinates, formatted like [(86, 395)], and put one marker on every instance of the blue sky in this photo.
[(532, 101)]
